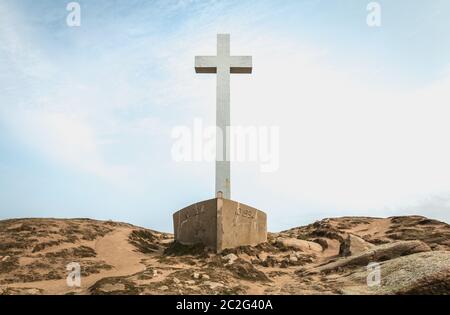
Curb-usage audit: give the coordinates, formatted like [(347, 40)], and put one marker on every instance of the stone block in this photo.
[(219, 224)]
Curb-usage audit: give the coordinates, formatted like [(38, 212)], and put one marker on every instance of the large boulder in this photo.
[(376, 254), (420, 273), (293, 243)]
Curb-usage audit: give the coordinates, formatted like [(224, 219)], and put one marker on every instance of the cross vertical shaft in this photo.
[(223, 168), (223, 64)]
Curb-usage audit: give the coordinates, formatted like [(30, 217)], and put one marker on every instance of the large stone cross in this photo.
[(223, 64)]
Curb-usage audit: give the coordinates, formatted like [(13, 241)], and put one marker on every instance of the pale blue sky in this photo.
[(86, 112)]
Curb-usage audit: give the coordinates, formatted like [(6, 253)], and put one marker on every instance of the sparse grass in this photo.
[(9, 265), (90, 267), (178, 249), (77, 252), (145, 241), (245, 270), (41, 246), (114, 286)]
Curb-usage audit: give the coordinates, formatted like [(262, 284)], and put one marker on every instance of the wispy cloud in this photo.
[(65, 140)]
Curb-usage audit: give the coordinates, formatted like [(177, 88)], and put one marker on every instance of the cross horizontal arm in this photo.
[(241, 64), (206, 64)]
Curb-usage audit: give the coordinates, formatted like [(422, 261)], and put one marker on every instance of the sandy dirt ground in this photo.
[(327, 257)]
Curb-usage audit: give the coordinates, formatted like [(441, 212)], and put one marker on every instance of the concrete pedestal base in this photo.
[(219, 224)]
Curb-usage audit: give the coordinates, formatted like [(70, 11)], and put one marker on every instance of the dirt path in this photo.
[(113, 249)]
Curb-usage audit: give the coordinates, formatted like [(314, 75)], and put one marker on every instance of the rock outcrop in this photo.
[(377, 254)]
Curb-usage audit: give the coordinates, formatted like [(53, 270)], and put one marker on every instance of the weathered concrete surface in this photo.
[(239, 224), (197, 224), (219, 224)]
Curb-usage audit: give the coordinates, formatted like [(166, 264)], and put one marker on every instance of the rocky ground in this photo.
[(327, 257)]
